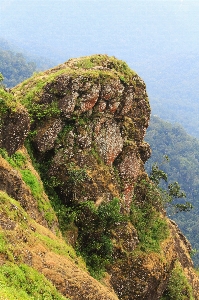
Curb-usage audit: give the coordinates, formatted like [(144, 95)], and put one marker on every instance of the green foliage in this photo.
[(124, 72), (37, 191), (55, 246), (3, 107), (156, 174), (7, 204), (18, 161), (94, 231), (7, 103), (151, 227), (96, 155), (31, 180), (76, 175), (40, 111), (178, 287), (94, 226), (14, 68), (109, 214), (172, 192), (20, 281), (1, 77), (66, 215), (183, 167), (24, 283), (85, 63), (4, 248)]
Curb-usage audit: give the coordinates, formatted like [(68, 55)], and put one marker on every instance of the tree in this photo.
[(1, 77), (15, 67), (171, 193)]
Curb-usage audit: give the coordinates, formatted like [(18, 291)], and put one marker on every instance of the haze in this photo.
[(158, 39)]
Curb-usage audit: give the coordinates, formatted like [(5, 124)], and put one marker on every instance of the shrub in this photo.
[(7, 103), (171, 193), (94, 232), (150, 226), (178, 287)]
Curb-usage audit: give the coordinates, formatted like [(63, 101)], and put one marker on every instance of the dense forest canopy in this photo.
[(16, 66), (183, 166)]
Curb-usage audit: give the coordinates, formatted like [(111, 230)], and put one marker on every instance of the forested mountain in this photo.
[(16, 67), (183, 166), (172, 84)]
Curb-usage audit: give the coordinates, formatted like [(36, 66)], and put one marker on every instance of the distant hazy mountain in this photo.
[(16, 67), (174, 90)]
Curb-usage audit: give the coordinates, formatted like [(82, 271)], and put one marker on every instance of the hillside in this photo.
[(79, 217), (183, 166), (16, 66)]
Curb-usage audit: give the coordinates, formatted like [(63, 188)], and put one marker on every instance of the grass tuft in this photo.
[(24, 283)]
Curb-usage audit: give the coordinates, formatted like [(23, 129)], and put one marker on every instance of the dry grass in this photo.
[(36, 246)]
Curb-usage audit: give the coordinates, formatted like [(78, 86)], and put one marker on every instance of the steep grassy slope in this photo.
[(32, 256)]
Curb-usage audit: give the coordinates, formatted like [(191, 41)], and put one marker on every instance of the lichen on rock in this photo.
[(14, 123), (95, 100)]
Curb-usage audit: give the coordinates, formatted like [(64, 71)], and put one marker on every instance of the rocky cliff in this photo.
[(77, 209)]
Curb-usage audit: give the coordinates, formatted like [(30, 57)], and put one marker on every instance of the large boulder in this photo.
[(89, 115)]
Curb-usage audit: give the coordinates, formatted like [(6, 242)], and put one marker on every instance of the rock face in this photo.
[(14, 123), (86, 120), (97, 118)]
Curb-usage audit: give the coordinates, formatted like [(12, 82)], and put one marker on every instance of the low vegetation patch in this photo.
[(24, 283), (19, 161), (94, 233), (178, 287), (94, 225), (7, 103), (150, 226), (124, 72)]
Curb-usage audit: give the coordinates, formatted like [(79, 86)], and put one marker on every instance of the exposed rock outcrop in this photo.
[(86, 121), (14, 125), (97, 118)]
